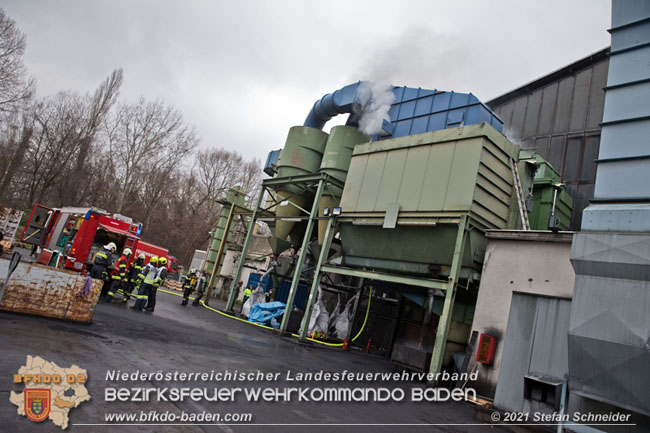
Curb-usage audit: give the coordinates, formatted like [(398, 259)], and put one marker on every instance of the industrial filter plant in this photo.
[(388, 214)]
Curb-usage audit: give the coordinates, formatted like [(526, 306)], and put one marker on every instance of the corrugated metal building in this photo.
[(559, 116)]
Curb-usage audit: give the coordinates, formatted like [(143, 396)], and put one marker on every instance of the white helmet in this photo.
[(141, 256), (127, 252), (111, 246)]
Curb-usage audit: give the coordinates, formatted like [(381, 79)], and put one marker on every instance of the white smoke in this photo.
[(375, 100)]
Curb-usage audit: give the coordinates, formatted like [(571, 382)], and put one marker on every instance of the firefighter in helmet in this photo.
[(133, 277), (200, 287), (103, 261), (149, 273), (118, 275), (158, 281), (189, 284)]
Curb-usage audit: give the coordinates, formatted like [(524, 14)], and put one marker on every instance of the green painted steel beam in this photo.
[(301, 258), (313, 293), (276, 218), (220, 252), (242, 258), (302, 179), (392, 278), (447, 308)]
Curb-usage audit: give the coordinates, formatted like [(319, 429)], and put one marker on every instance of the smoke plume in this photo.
[(375, 100)]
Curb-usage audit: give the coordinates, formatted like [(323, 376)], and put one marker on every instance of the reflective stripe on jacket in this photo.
[(120, 268), (151, 274)]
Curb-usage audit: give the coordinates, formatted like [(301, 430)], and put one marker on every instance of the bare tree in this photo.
[(147, 141), (137, 159), (98, 107), (12, 153), (15, 86)]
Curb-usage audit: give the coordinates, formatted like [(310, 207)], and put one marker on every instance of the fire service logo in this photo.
[(50, 392), (37, 404)]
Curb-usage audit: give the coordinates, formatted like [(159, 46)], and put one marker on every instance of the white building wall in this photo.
[(530, 266)]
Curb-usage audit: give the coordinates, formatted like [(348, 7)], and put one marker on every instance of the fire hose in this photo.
[(365, 319)]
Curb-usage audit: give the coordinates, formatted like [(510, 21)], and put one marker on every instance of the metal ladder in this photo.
[(521, 200)]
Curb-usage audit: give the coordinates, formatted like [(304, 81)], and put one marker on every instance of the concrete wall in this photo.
[(527, 262)]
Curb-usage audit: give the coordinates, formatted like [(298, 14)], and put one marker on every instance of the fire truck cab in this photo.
[(71, 236)]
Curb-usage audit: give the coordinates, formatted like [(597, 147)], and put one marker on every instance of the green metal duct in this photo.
[(547, 191)]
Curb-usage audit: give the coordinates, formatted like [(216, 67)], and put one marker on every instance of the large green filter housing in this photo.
[(302, 154), (401, 195), (336, 162)]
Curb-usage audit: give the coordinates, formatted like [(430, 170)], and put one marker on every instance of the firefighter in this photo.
[(247, 294), (134, 277), (103, 261), (158, 281), (200, 288), (150, 272), (118, 275), (189, 284)]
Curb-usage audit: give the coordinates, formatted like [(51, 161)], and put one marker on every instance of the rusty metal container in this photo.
[(44, 291)]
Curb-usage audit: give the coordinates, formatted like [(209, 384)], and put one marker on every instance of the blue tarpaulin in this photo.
[(265, 312)]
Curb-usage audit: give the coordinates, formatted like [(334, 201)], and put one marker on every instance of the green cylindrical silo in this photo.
[(336, 162), (233, 196), (302, 154)]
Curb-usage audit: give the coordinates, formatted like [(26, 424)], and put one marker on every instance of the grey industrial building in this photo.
[(591, 120), (559, 115)]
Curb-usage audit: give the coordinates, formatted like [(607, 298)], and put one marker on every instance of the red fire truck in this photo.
[(71, 236)]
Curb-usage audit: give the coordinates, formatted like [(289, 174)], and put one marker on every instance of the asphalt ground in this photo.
[(195, 339)]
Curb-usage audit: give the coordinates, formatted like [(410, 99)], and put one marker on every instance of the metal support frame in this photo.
[(307, 181), (301, 257), (448, 286), (391, 278), (450, 294), (249, 237), (313, 293)]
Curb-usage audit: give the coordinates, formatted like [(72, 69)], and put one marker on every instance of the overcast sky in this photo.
[(244, 72)]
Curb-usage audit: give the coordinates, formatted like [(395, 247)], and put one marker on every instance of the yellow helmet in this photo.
[(162, 261), (154, 259), (127, 252)]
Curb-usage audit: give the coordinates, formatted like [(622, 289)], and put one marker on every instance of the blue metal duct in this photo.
[(413, 111), (332, 104)]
